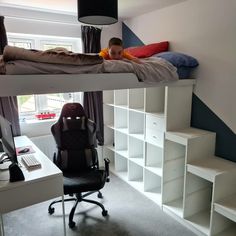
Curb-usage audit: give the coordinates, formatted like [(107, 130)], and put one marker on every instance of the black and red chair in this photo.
[(76, 156)]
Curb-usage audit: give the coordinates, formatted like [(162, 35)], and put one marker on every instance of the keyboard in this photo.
[(30, 161)]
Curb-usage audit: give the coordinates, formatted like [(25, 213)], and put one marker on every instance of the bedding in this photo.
[(151, 70), (56, 55), (183, 62), (37, 62)]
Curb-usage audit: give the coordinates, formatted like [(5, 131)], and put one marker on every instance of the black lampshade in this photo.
[(98, 12)]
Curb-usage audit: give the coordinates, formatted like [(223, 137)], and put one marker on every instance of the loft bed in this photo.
[(48, 74)]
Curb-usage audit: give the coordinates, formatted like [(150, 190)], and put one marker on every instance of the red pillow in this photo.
[(148, 50)]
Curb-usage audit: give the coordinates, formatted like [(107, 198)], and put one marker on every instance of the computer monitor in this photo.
[(8, 139)]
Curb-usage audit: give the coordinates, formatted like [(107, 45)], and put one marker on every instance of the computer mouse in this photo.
[(24, 150)]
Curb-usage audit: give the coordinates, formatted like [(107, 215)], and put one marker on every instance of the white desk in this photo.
[(39, 185)]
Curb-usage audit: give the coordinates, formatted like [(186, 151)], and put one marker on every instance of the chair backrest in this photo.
[(75, 137)]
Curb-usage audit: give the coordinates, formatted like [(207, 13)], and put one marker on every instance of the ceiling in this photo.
[(126, 8)]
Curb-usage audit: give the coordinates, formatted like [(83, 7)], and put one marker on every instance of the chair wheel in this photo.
[(71, 224), (104, 213), (100, 195), (51, 210)]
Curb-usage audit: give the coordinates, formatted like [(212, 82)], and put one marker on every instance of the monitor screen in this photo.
[(8, 139)]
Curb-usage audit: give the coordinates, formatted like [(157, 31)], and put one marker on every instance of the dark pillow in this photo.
[(184, 63), (148, 50)]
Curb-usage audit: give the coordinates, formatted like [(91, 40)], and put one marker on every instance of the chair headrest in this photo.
[(79, 123), (73, 118), (72, 110)]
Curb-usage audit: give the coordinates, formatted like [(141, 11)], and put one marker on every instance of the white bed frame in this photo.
[(11, 85)]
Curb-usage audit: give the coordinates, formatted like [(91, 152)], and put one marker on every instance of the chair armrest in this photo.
[(107, 162)]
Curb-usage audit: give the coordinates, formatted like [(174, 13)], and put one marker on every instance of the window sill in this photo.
[(35, 121), (36, 128)]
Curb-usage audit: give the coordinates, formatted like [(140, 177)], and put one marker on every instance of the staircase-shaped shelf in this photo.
[(202, 180), (183, 136), (181, 147), (209, 168)]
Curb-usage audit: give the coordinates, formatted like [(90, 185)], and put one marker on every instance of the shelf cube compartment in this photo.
[(174, 161), (172, 197), (136, 99), (152, 186), (197, 205), (109, 137), (121, 97), (108, 96), (121, 119), (121, 144), (135, 175), (136, 151), (136, 124), (154, 158), (173, 177), (222, 225), (225, 195), (224, 214), (154, 99), (121, 166), (108, 114)]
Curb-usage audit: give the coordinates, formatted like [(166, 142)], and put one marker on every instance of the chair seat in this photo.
[(88, 181)]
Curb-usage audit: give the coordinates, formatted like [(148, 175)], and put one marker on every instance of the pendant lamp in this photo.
[(98, 12)]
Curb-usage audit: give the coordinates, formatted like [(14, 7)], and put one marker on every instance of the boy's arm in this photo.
[(137, 60), (130, 57), (104, 53)]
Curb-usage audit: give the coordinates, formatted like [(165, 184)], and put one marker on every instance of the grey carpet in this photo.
[(130, 214)]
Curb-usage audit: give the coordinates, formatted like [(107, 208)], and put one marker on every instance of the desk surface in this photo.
[(39, 185)]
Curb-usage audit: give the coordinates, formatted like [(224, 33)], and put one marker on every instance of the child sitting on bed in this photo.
[(115, 51)]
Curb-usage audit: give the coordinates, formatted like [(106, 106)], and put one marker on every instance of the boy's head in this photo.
[(115, 48)]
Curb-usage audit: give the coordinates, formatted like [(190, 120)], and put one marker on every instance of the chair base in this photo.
[(79, 198)]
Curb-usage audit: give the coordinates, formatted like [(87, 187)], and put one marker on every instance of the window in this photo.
[(21, 44), (30, 105), (49, 45)]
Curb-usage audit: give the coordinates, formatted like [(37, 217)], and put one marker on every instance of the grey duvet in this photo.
[(151, 69)]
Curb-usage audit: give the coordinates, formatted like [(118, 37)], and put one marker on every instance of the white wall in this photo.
[(206, 30)]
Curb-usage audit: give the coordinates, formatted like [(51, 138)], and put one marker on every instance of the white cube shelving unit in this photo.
[(154, 149)]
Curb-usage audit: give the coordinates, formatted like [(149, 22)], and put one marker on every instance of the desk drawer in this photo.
[(155, 123), (155, 137)]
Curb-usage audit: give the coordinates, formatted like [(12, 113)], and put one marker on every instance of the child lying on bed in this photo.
[(115, 51)]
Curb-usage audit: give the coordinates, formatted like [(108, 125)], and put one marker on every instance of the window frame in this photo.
[(37, 42)]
